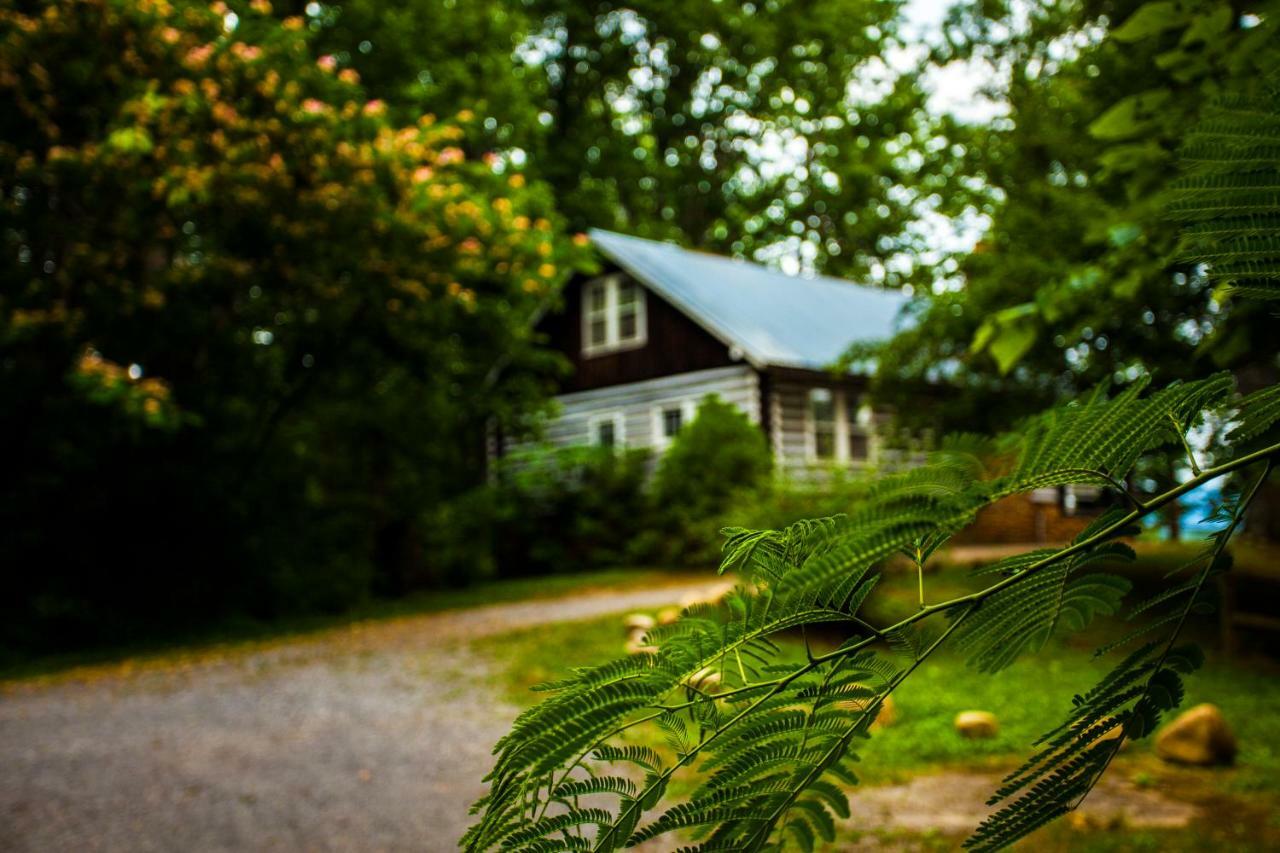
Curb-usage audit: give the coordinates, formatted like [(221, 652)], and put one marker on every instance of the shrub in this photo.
[(558, 510), (720, 459), (718, 455)]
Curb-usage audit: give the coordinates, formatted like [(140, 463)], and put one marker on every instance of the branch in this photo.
[(761, 834), (1182, 436), (1156, 503), (662, 778), (1223, 537), (970, 602)]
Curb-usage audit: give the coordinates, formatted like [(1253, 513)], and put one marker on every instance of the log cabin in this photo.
[(661, 327)]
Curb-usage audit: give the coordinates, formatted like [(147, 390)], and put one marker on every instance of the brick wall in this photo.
[(1023, 518)]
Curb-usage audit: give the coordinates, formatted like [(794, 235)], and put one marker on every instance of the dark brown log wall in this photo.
[(675, 345)]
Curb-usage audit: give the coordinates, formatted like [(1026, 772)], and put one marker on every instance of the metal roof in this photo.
[(774, 318)]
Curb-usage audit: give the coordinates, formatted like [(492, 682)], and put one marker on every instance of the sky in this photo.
[(955, 88)]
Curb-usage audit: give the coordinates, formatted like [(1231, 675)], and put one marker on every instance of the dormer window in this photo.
[(613, 315)]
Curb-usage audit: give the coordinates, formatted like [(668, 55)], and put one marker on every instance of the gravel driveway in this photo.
[(373, 737)]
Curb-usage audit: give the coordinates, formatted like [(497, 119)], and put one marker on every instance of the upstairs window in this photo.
[(613, 315), (596, 311), (822, 419)]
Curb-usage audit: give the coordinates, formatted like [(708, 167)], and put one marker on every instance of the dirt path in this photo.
[(372, 737), (954, 803), (364, 738)]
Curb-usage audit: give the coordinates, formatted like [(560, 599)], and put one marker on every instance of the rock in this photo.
[(977, 724), (888, 714), (668, 615), (1198, 736), (888, 710), (707, 680), (638, 642), (640, 647), (638, 622)]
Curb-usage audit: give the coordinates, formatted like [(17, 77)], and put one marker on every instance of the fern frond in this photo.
[(773, 743), (1231, 198), (1098, 440), (1256, 414), (1021, 617), (1128, 703), (594, 785)]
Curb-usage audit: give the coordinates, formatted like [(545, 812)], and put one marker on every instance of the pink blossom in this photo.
[(199, 55), (376, 107), (313, 105), (328, 62)]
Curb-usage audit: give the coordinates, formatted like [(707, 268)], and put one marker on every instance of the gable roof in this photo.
[(775, 319)]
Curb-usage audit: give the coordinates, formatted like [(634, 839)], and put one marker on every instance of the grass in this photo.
[(1029, 698), (251, 634)]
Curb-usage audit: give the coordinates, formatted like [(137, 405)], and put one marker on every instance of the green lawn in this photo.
[(1029, 698)]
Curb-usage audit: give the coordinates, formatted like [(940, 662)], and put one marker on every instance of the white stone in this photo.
[(977, 724), (1199, 736)]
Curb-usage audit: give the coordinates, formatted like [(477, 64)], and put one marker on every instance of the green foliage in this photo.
[(719, 454), (651, 117), (1023, 617), (1032, 694), (1128, 703), (1230, 203), (1259, 412), (770, 744), (717, 461), (555, 510), (251, 328), (1081, 277)]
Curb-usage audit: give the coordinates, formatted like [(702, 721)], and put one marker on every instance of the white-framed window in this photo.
[(613, 315), (859, 445), (823, 432), (861, 427), (671, 417), (607, 429)]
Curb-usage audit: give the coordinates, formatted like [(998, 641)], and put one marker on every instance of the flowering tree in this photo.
[(226, 273)]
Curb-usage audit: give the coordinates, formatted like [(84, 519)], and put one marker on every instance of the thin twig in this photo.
[(1224, 537)]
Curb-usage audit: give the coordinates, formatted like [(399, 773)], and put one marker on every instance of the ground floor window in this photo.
[(859, 445), (672, 421), (670, 418), (822, 420), (606, 430)]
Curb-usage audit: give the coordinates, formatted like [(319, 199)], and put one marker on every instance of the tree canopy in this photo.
[(242, 297), (771, 129), (1078, 280)]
